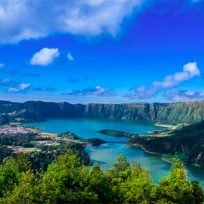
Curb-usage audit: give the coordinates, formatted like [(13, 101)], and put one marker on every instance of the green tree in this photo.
[(12, 177), (176, 188), (117, 175), (138, 188), (66, 181), (23, 192), (197, 192), (9, 176), (100, 185), (120, 170)]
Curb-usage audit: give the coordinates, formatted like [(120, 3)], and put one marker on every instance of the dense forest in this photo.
[(67, 180), (188, 141)]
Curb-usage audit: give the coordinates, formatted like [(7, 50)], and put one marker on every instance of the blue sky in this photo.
[(104, 51)]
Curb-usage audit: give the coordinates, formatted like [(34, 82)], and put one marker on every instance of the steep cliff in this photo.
[(162, 112), (38, 110)]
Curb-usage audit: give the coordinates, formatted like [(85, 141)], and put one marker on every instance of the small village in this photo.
[(15, 129)]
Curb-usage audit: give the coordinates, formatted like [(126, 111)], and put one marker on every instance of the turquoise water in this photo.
[(106, 154)]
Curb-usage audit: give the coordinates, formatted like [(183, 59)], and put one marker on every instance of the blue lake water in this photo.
[(106, 154)]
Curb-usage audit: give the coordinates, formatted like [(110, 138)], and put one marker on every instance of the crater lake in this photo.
[(106, 154)]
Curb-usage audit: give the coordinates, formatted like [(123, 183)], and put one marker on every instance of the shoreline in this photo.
[(141, 147), (167, 126), (159, 155)]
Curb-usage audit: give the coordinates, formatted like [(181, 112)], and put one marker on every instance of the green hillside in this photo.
[(188, 141), (157, 112)]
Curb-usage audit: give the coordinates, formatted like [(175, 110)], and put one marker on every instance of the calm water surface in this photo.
[(106, 154)]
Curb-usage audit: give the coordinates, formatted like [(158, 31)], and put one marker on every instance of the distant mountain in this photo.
[(160, 112), (38, 110), (188, 141)]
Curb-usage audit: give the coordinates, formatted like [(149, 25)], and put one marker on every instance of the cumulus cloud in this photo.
[(28, 19), (20, 87), (190, 70), (45, 56), (70, 56), (96, 91)]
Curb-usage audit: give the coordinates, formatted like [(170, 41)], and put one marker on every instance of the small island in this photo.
[(96, 142), (117, 133)]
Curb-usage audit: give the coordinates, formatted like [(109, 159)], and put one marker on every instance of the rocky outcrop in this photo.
[(161, 112)]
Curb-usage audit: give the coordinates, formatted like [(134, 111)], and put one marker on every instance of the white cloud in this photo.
[(2, 65), (190, 70), (20, 87), (45, 56), (70, 56), (28, 19), (24, 86)]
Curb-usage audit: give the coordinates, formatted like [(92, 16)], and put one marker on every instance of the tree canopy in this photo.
[(67, 180)]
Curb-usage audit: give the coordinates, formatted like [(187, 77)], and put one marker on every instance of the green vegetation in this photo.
[(170, 157), (96, 141), (41, 148), (118, 133), (187, 141), (50, 171), (47, 154), (167, 131), (67, 180), (156, 112), (69, 136), (4, 152), (18, 139)]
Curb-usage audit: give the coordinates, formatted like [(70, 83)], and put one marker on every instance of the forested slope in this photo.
[(188, 141)]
